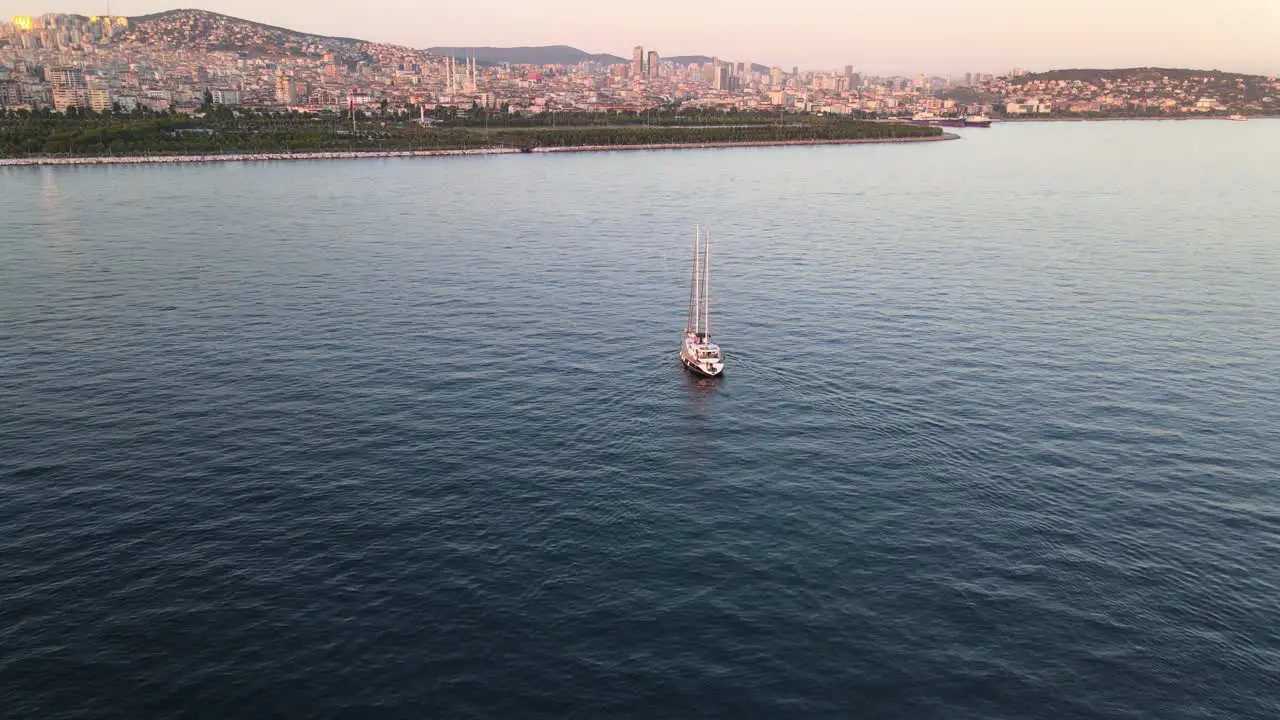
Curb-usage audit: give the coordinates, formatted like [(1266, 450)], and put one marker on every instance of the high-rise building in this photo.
[(968, 78), (721, 80), (775, 77), (286, 90), (68, 87), (99, 99), (653, 64), (848, 71), (65, 77), (222, 96), (10, 93), (637, 62), (66, 97)]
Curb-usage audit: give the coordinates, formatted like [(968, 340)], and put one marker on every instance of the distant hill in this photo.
[(1094, 76), (688, 59), (967, 95), (189, 29), (204, 30), (541, 55), (556, 55), (1240, 88)]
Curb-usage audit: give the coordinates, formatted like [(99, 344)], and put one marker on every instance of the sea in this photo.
[(998, 436)]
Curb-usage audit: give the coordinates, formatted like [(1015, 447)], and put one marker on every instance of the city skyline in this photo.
[(188, 60), (930, 36)]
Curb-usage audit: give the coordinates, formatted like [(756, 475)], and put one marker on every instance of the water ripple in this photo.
[(997, 447)]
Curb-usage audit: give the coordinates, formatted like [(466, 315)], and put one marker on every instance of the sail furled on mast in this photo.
[(707, 287), (695, 303), (699, 322), (706, 292)]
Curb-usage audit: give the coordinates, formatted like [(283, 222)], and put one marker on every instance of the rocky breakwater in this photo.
[(244, 157)]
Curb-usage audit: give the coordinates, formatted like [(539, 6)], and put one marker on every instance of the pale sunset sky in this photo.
[(875, 36)]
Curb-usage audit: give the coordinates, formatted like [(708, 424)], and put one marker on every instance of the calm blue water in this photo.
[(999, 435)]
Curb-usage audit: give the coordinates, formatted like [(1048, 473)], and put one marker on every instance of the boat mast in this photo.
[(689, 318), (697, 278), (706, 294), (693, 294)]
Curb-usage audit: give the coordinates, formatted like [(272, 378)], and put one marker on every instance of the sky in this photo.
[(875, 36)]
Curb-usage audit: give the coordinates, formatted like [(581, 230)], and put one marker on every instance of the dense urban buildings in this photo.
[(176, 61)]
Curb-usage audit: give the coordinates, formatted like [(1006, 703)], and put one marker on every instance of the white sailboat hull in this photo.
[(701, 357), (703, 370)]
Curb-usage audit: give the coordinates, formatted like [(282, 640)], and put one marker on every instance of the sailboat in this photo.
[(697, 352)]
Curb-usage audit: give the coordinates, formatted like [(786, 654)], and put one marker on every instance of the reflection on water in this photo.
[(989, 445), (699, 393), (701, 388), (56, 212)]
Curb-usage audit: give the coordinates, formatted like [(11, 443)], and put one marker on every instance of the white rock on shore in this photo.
[(347, 155), (243, 157)]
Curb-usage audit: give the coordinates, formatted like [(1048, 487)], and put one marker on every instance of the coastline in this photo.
[(1145, 118), (745, 143), (245, 157), (360, 154)]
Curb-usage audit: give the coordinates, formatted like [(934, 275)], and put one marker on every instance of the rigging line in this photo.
[(693, 284), (707, 300)]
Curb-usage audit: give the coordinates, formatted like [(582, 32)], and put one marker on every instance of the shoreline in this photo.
[(744, 143), (1140, 118), (244, 157), (364, 154)]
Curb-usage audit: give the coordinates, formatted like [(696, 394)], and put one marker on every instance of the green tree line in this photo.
[(669, 115), (222, 131), (572, 137)]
